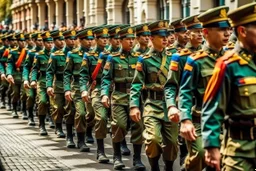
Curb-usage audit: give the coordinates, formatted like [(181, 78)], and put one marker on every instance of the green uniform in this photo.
[(38, 74), (55, 70), (89, 63), (151, 74), (192, 48), (71, 83), (4, 84)]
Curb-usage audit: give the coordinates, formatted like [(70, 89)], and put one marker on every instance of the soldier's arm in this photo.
[(27, 66), (188, 85), (107, 76), (10, 63), (50, 71), (35, 68), (2, 70), (137, 83), (84, 74), (68, 72), (215, 101)]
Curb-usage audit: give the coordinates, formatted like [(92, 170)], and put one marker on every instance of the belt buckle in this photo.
[(251, 133)]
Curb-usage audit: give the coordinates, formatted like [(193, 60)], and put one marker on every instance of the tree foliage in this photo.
[(5, 11)]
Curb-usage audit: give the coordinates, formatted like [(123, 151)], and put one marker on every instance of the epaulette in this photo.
[(168, 53), (13, 49), (105, 52), (231, 56), (200, 54), (32, 50), (59, 52), (146, 56), (136, 54), (1, 47), (185, 52), (114, 54), (75, 50), (41, 52), (170, 47)]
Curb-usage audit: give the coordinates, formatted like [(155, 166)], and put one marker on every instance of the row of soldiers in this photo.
[(187, 75)]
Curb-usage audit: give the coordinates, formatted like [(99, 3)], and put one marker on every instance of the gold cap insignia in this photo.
[(105, 31), (130, 30), (30, 36), (160, 24), (223, 13), (60, 33), (39, 36), (22, 36), (89, 33), (117, 30), (47, 34), (145, 28), (166, 24), (73, 32)]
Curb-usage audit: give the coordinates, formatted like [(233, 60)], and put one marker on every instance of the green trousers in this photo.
[(90, 115), (43, 101), (232, 163), (3, 88), (119, 124), (18, 93), (160, 138), (58, 107), (31, 97)]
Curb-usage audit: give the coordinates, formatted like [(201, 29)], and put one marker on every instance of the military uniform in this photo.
[(31, 93), (38, 74), (71, 83), (178, 27), (230, 98), (197, 72), (15, 63), (54, 79), (151, 74)]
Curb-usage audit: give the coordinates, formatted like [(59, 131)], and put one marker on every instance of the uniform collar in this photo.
[(212, 53)]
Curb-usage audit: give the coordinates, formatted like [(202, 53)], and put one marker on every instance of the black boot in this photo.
[(9, 105), (89, 137), (42, 129), (168, 165), (118, 163), (138, 165), (154, 163), (124, 149), (24, 111), (81, 143), (14, 111), (101, 157), (59, 131), (70, 141), (31, 121), (2, 104), (50, 121)]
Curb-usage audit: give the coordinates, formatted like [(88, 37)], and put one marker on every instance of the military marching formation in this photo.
[(186, 86)]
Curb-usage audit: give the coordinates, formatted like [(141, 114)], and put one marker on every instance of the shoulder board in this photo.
[(32, 50), (75, 50), (168, 53), (106, 52), (115, 54), (41, 52), (146, 56), (1, 47), (59, 52), (185, 52), (200, 54), (14, 49), (170, 47)]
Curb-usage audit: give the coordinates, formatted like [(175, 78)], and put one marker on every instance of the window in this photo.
[(185, 8), (126, 12)]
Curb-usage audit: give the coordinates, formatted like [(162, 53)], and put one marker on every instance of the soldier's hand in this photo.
[(3, 77), (68, 96), (10, 79), (105, 101), (85, 97), (50, 91), (212, 157), (135, 114), (187, 130), (33, 84), (174, 114), (26, 84)]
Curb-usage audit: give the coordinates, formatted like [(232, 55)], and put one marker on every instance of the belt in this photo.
[(155, 95), (76, 78), (196, 119), (242, 133), (123, 87), (59, 77)]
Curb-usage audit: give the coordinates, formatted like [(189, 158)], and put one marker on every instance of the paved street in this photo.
[(21, 148)]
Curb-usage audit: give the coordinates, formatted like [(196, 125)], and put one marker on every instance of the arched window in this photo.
[(185, 8), (126, 12), (163, 9)]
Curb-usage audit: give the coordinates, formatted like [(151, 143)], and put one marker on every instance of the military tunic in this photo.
[(197, 72), (151, 75), (190, 47), (4, 84)]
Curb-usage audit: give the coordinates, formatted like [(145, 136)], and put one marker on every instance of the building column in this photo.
[(41, 12), (86, 12), (59, 12), (115, 11), (92, 20), (33, 14), (131, 9), (99, 12), (14, 20), (69, 12), (51, 12), (151, 10), (175, 10), (79, 9)]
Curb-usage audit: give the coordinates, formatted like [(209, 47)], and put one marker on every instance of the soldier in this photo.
[(15, 63), (151, 74), (195, 33), (54, 87), (90, 84), (70, 38), (180, 33), (72, 91), (230, 98), (31, 92), (143, 38), (171, 37), (197, 72), (38, 80), (30, 42), (119, 70)]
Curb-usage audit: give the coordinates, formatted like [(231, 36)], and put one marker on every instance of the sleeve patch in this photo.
[(174, 66), (188, 67), (107, 66), (139, 66), (50, 61)]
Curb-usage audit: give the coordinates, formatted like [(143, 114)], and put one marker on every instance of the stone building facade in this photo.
[(28, 13)]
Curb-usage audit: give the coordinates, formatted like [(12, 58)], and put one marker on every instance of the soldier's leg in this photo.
[(31, 100), (153, 141), (137, 141), (23, 100), (170, 149), (119, 131), (195, 159), (9, 98), (90, 122), (43, 105), (101, 120), (233, 163), (69, 119), (58, 104), (4, 88), (15, 98), (80, 124)]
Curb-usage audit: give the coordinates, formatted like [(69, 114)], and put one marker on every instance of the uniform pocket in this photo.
[(152, 77), (206, 75), (248, 96)]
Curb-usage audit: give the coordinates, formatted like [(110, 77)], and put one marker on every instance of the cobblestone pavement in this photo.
[(21, 148)]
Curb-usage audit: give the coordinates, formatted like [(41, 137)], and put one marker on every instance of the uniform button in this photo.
[(246, 93), (246, 89), (244, 55)]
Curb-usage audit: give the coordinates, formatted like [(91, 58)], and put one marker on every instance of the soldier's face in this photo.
[(196, 35), (30, 42), (70, 42), (13, 43), (127, 43), (48, 45), (102, 41), (159, 42), (39, 43), (247, 35), (59, 43), (171, 39), (143, 40), (22, 43), (182, 36), (6, 42), (87, 43), (115, 42), (217, 37)]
